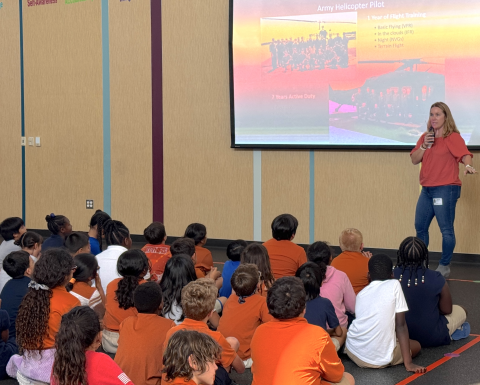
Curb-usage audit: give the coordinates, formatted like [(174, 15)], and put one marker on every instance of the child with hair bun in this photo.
[(39, 317), (31, 242), (60, 227), (76, 361)]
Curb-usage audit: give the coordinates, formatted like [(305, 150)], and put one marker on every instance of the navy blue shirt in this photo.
[(320, 311), (227, 272), (11, 296), (94, 246), (53, 241), (7, 349), (425, 323)]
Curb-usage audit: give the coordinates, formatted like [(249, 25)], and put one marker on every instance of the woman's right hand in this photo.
[(429, 139)]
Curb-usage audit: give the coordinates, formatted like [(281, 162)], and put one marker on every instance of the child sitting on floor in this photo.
[(77, 243), (234, 251), (378, 337), (288, 350), (198, 233), (179, 271), (285, 256), (31, 242), (96, 233), (140, 346), (319, 310), (245, 310), (198, 303), (155, 249), (76, 361), (39, 317), (19, 266), (335, 286), (258, 255), (190, 357), (81, 284), (132, 265), (432, 320), (60, 227), (11, 229)]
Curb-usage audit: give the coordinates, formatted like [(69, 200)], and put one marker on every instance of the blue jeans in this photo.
[(438, 202)]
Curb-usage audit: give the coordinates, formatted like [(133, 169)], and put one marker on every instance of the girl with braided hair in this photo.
[(96, 232), (132, 265), (431, 319), (39, 317), (76, 362), (117, 237), (60, 227)]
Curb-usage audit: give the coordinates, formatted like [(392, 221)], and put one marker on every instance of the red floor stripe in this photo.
[(441, 361), (462, 280), (219, 263)]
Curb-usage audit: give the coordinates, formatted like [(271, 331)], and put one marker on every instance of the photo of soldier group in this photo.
[(393, 104), (308, 43)]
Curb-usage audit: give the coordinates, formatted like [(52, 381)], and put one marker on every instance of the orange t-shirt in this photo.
[(114, 315), (241, 320), (83, 289), (228, 354), (61, 303), (140, 347), (286, 352), (156, 253), (159, 267), (204, 261), (355, 265), (285, 257)]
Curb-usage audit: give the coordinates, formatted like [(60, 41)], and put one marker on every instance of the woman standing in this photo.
[(440, 150)]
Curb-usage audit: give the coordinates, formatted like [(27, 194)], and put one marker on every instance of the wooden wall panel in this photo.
[(377, 193), (131, 113), (285, 189), (63, 106), (10, 115), (205, 180)]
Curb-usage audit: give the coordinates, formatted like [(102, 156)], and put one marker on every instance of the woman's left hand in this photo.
[(470, 170)]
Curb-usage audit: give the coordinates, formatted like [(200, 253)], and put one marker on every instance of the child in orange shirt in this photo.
[(190, 358), (258, 255), (244, 311), (285, 256), (353, 261), (198, 233), (81, 287), (140, 346), (39, 316), (76, 359), (179, 246), (155, 249), (198, 302), (132, 265), (288, 350)]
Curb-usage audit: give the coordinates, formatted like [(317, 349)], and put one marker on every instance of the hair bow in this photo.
[(38, 286)]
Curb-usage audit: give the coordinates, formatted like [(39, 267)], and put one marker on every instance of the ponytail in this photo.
[(131, 265)]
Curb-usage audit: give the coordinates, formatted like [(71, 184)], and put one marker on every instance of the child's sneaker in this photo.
[(462, 332)]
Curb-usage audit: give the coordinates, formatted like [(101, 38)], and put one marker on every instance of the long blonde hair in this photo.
[(449, 126)]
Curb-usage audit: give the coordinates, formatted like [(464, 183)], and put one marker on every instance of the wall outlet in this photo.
[(37, 141), (24, 141), (30, 140), (89, 204)]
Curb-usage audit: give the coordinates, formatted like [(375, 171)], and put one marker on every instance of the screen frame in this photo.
[(340, 147)]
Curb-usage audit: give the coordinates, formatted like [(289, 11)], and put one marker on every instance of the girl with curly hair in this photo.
[(39, 317), (76, 361), (132, 265)]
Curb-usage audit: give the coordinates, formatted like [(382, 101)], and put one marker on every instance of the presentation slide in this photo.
[(349, 74)]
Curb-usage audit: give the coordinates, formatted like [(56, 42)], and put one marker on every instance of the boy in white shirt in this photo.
[(378, 337)]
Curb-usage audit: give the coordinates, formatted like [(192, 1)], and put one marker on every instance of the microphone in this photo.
[(430, 130)]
